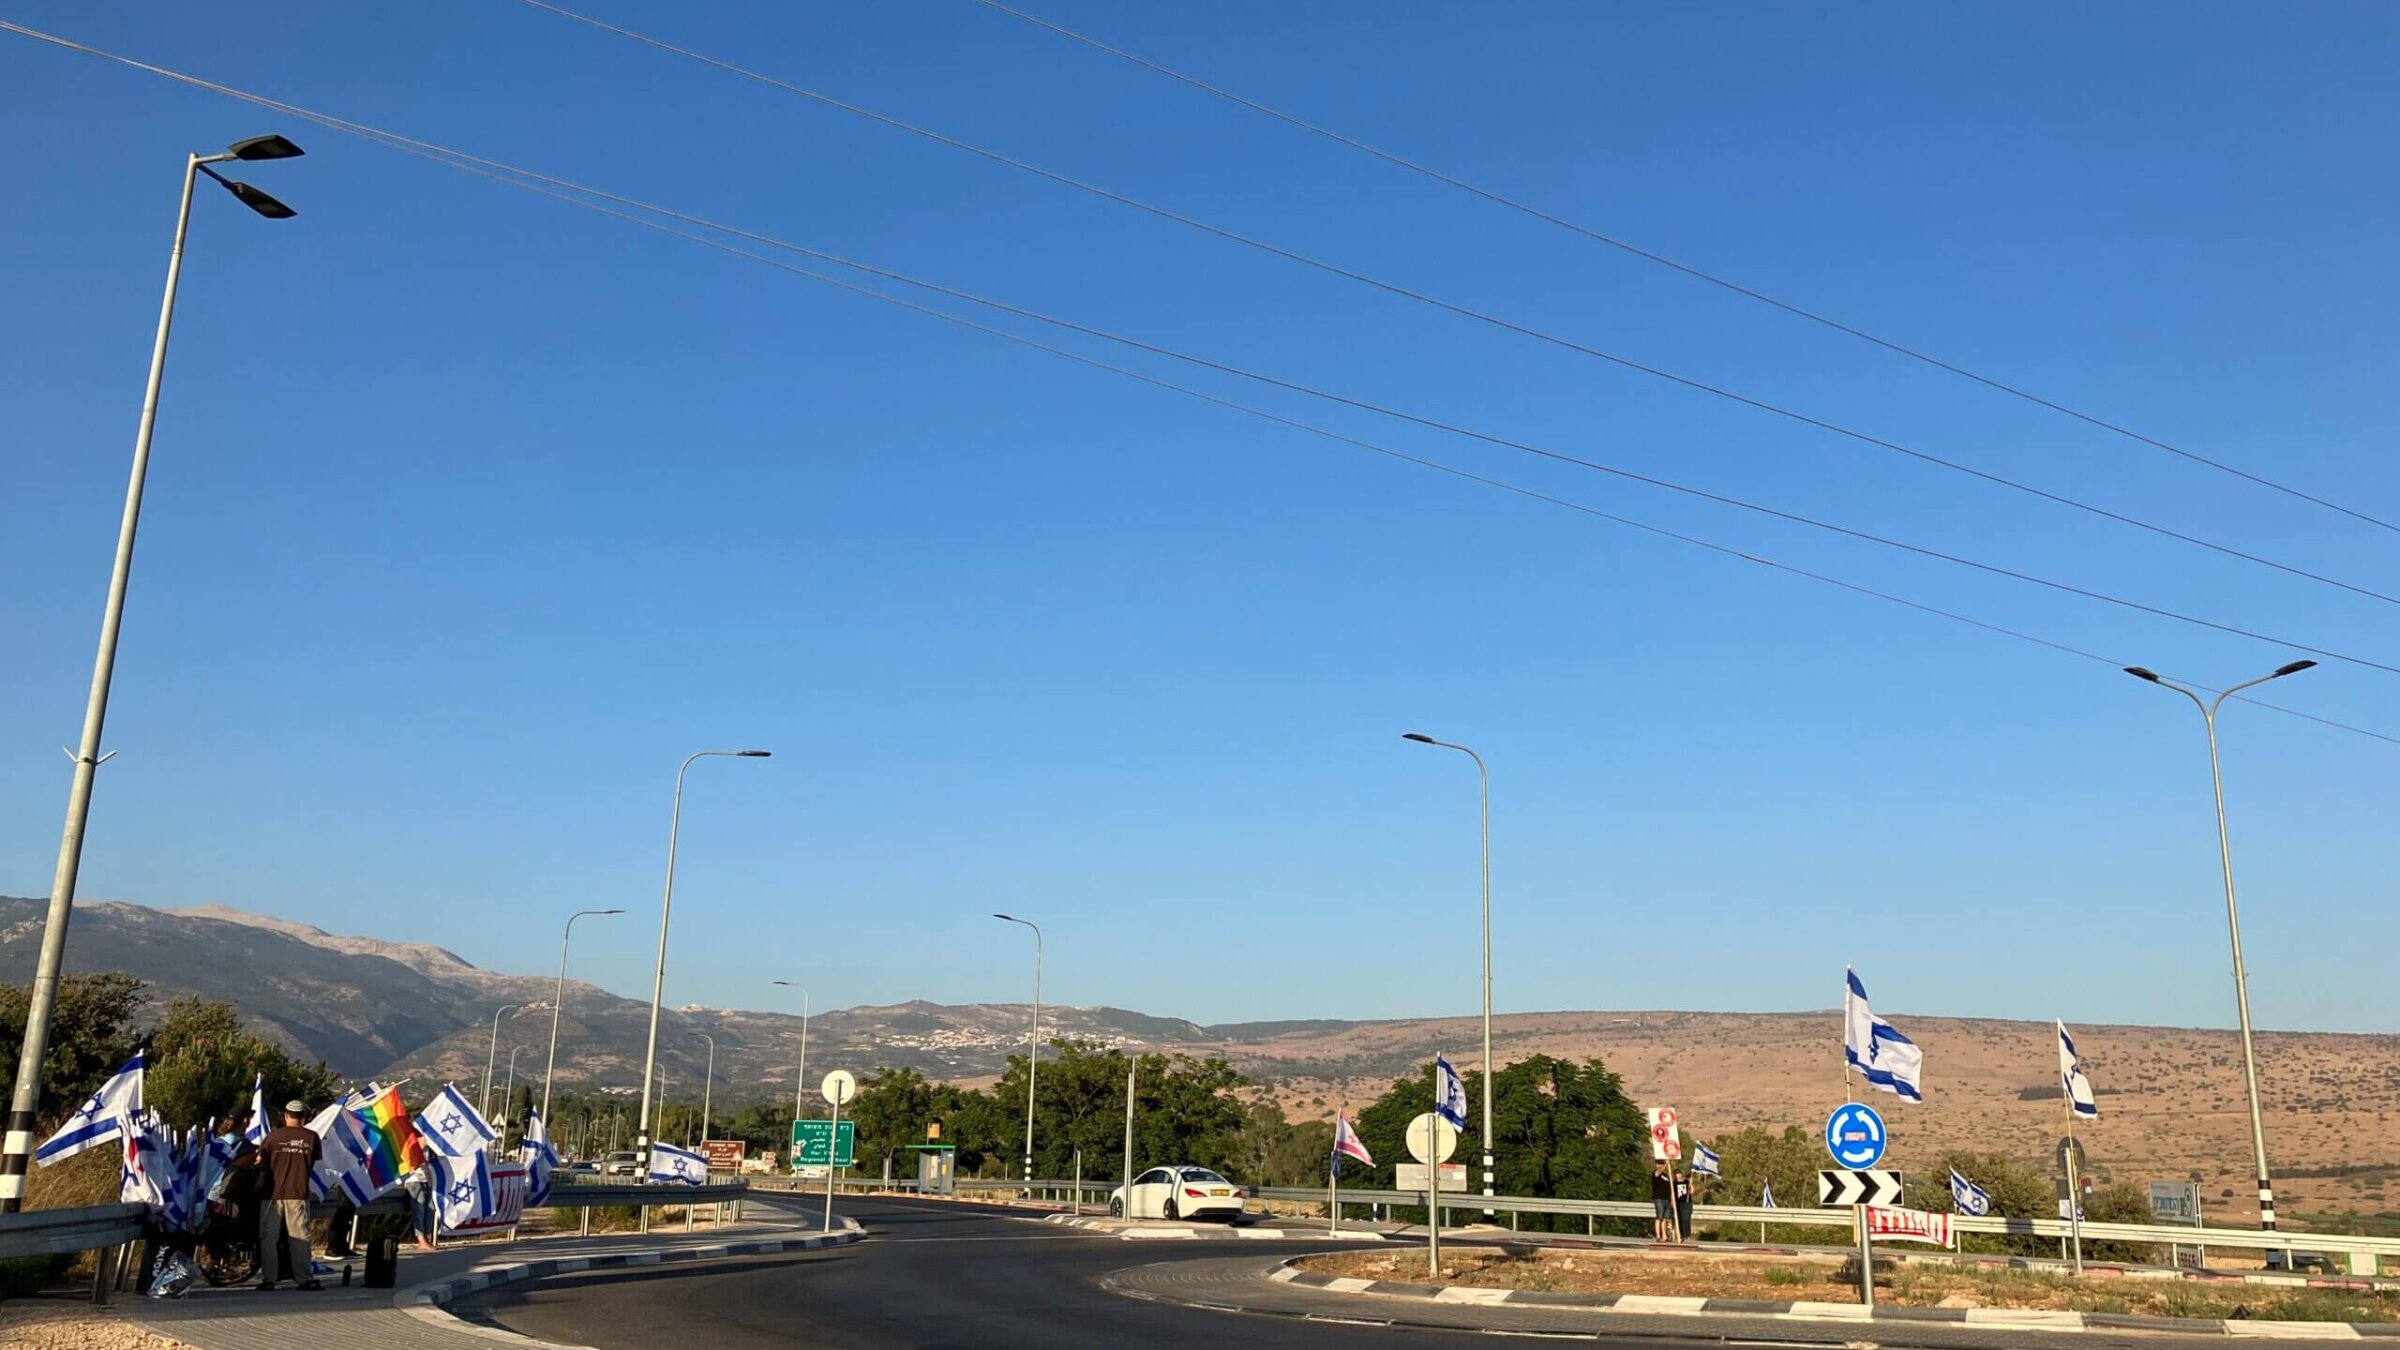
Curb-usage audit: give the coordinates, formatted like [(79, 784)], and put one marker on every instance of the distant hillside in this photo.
[(2172, 1104)]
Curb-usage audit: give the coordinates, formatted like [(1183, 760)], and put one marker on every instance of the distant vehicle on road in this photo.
[(579, 1170), (2282, 1260), (1178, 1193), (623, 1163)]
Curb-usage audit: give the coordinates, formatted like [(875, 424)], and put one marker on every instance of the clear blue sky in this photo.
[(473, 513)]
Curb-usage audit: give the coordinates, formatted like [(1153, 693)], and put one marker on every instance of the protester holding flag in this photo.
[(1662, 1202)]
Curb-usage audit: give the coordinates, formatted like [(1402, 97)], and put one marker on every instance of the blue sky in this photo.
[(472, 513)]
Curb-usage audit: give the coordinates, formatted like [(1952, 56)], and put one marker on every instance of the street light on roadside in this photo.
[(666, 906), (2233, 919), (1490, 1070), (491, 1056), (1033, 1047), (708, 1085), (800, 1085), (26, 1100), (558, 1003), (508, 1093)]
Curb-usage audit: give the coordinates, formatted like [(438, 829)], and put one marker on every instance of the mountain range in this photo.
[(2173, 1105)]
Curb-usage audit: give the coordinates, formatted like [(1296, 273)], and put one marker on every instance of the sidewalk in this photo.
[(411, 1317)]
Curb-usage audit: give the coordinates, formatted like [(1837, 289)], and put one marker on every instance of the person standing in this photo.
[(1683, 1206), (1662, 1204), (288, 1154)]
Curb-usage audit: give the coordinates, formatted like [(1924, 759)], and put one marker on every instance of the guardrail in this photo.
[(55, 1232)]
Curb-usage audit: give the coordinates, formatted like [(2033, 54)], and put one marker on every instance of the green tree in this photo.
[(892, 1108), (92, 1032), (1561, 1130), (203, 1063)]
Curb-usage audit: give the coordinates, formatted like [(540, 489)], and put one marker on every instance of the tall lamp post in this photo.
[(26, 1100), (491, 1056), (508, 1093), (2233, 919), (666, 906), (708, 1085), (1490, 1070), (558, 1002), (800, 1084), (1033, 1048)]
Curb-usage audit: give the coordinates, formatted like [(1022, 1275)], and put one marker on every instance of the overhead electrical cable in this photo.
[(565, 191), (1699, 274), (1465, 311)]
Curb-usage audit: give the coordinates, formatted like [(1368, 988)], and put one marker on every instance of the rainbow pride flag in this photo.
[(392, 1149)]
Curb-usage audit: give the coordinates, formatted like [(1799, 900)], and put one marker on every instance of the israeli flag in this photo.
[(540, 1160), (256, 1132), (2070, 1076), (144, 1172), (1449, 1094), (1968, 1198), (1766, 1195), (449, 1124), (676, 1166), (461, 1188), (1704, 1161), (96, 1121), (1876, 1048)]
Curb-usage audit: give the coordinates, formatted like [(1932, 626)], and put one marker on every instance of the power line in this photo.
[(1648, 255), (1463, 311), (563, 190)]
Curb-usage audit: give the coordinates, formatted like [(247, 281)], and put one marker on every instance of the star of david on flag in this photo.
[(676, 1166), (1449, 1094), (448, 1124)]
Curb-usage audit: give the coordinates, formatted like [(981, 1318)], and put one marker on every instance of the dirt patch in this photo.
[(1829, 1279), (56, 1324)]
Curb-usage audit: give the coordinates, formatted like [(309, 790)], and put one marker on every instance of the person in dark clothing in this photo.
[(1683, 1206), (287, 1156), (1662, 1204)]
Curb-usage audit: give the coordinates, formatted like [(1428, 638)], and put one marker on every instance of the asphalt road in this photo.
[(949, 1276)]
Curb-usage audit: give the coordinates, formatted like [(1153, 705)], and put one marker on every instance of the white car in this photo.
[(1178, 1193)]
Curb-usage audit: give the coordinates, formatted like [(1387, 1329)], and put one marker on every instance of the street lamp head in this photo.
[(1009, 918), (2293, 669), (608, 911), (755, 754), (1418, 736), (264, 147), (258, 201), (2141, 673)]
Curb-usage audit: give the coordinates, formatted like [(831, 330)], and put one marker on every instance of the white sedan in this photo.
[(1178, 1193)]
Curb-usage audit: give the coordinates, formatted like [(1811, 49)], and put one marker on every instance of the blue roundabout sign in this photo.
[(1854, 1136)]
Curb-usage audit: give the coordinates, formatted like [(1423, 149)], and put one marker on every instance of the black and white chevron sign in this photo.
[(1872, 1187)]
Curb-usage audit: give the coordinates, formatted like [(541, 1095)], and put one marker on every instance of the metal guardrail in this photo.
[(55, 1232)]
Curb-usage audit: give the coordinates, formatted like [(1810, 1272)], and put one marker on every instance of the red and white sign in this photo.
[(1908, 1225), (1665, 1144), (508, 1200)]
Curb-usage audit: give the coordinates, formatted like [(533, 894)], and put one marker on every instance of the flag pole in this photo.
[(2074, 1186), (1333, 1190)]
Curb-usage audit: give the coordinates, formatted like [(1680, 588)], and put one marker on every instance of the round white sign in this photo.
[(840, 1087), (1428, 1133)]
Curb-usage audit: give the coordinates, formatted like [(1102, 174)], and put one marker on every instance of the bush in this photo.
[(21, 1276)]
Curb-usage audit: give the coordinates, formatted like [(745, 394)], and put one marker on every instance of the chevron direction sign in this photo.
[(1875, 1186)]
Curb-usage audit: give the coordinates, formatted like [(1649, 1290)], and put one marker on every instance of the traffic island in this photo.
[(1825, 1286)]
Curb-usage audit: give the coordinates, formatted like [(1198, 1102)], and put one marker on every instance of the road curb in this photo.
[(428, 1302), (1118, 1228), (1980, 1319)]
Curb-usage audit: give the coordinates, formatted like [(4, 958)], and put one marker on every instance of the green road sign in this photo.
[(814, 1143)]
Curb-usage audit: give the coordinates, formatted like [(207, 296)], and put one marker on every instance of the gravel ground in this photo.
[(60, 1324)]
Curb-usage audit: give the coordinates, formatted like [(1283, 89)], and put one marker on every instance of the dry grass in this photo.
[(1825, 1279), (58, 1324)]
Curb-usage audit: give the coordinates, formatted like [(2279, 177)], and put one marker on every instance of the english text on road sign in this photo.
[(814, 1144), (1430, 1132), (1908, 1225), (1411, 1177), (1866, 1187), (1665, 1144), (1854, 1135)]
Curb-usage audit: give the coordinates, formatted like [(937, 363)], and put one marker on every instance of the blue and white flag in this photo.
[(1766, 1195), (95, 1122), (145, 1174), (2070, 1077), (1876, 1048), (676, 1165), (450, 1125), (1449, 1094), (1704, 1161), (1968, 1198), (540, 1160), (461, 1188), (256, 1131)]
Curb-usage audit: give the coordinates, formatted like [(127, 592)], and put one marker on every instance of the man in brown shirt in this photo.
[(288, 1155)]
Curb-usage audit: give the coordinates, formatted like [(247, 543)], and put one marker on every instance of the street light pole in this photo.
[(1490, 1070), (491, 1056), (708, 1085), (26, 1100), (666, 906), (800, 1085), (1033, 1049), (559, 1002), (2233, 918), (508, 1094)]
